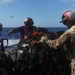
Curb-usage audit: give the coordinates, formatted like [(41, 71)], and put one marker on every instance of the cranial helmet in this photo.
[(1, 24), (67, 17), (28, 21)]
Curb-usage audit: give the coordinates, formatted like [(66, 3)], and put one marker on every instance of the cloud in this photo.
[(70, 2), (63, 0), (6, 1)]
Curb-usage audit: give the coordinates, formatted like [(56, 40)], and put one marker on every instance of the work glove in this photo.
[(10, 32), (44, 39)]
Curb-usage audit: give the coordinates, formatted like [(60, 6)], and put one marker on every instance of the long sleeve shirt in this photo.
[(25, 31), (68, 39)]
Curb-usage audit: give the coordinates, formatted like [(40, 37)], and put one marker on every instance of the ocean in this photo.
[(14, 38)]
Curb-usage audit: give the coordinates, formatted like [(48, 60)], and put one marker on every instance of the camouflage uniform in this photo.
[(67, 39)]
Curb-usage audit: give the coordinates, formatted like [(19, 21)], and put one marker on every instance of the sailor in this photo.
[(67, 38), (26, 29)]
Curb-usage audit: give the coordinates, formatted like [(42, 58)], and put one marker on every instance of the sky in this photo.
[(45, 13)]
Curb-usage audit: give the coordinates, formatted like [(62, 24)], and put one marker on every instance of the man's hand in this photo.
[(25, 37), (10, 32)]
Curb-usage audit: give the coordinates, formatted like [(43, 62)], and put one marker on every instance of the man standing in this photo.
[(67, 38), (26, 29)]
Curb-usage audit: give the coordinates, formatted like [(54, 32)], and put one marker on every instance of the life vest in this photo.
[(36, 33), (26, 31)]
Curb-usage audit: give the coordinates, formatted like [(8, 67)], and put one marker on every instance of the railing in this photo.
[(2, 44)]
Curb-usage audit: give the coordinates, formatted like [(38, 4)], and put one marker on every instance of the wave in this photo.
[(13, 41)]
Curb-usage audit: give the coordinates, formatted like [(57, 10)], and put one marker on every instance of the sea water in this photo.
[(14, 38)]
